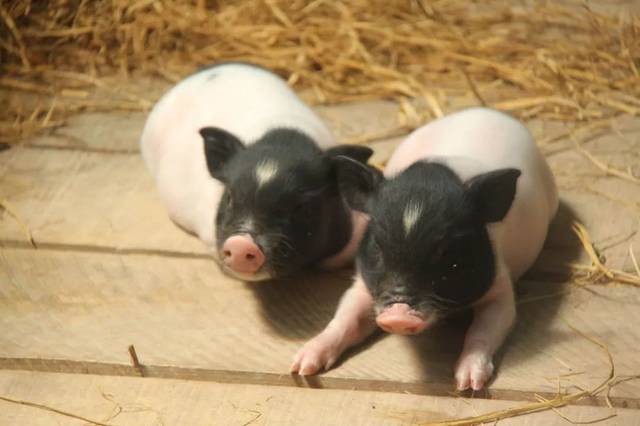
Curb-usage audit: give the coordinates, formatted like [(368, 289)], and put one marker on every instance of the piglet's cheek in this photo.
[(401, 319)]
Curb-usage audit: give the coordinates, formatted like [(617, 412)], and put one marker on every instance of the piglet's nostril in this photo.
[(250, 256), (227, 253)]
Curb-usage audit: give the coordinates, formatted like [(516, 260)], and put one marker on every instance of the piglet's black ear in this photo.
[(355, 152), (492, 193), (219, 147), (356, 181)]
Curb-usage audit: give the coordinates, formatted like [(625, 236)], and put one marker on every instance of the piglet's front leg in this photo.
[(351, 324), (492, 321)]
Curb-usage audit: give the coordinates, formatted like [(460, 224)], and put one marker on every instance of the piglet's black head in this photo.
[(283, 191), (427, 244)]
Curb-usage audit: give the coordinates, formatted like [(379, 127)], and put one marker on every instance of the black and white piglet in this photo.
[(243, 163), (463, 213)]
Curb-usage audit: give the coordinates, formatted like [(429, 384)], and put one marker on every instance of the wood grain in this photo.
[(142, 401), (87, 199), (87, 307), (112, 270), (100, 201), (119, 132)]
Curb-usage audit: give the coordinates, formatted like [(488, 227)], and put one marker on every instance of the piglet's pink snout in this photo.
[(400, 319), (241, 254)]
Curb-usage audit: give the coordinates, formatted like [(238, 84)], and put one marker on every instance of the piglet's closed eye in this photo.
[(492, 193)]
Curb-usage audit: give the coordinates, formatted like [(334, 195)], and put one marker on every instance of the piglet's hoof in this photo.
[(319, 353), (473, 371)]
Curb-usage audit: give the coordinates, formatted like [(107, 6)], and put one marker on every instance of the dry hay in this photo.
[(597, 272), (53, 410), (562, 62)]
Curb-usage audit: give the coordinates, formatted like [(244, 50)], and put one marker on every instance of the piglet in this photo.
[(240, 161), (462, 214)]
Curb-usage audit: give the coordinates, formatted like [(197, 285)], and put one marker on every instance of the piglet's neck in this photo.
[(345, 256)]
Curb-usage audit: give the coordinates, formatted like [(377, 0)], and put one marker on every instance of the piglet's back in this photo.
[(479, 140), (242, 99)]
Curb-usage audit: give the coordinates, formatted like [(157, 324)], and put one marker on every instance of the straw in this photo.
[(597, 270), (515, 58), (9, 208)]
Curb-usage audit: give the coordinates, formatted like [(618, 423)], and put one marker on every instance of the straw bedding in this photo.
[(562, 62)]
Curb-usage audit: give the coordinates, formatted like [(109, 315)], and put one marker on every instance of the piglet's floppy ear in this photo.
[(356, 181), (355, 152), (492, 193), (219, 147)]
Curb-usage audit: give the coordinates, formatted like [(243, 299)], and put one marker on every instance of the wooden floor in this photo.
[(111, 270)]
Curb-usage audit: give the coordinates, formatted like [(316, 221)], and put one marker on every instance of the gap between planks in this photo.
[(85, 248), (273, 379), (46, 147), (136, 151), (543, 275)]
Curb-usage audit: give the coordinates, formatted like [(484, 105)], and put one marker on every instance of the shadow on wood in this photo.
[(300, 307)]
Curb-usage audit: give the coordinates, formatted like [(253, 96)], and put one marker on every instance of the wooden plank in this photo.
[(119, 131), (90, 199), (353, 121), (87, 199), (182, 313), (109, 200), (145, 401), (608, 206)]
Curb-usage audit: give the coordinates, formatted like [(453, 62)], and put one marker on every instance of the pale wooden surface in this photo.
[(88, 199), (115, 197), (134, 401), (119, 132), (112, 270), (66, 305)]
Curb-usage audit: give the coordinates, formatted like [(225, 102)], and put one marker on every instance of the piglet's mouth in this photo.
[(259, 276), (399, 318)]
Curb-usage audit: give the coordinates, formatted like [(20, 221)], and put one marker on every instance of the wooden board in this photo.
[(147, 401), (119, 132), (112, 270), (108, 201), (87, 199), (70, 311)]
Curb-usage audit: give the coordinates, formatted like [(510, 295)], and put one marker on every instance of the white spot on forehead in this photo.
[(247, 226), (412, 212), (266, 170)]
